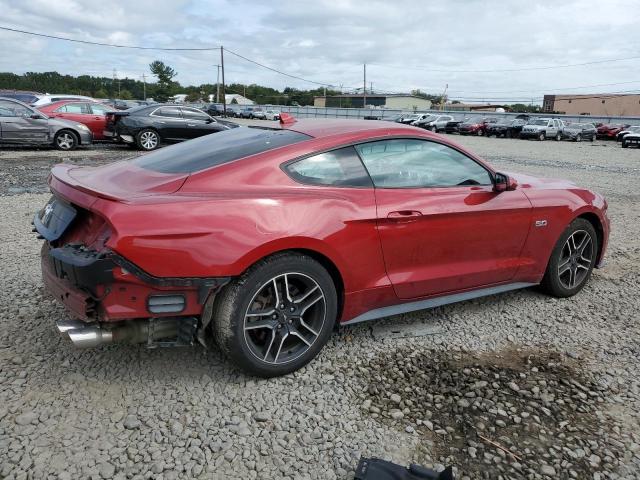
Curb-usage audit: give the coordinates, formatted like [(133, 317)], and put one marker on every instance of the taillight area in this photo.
[(88, 229)]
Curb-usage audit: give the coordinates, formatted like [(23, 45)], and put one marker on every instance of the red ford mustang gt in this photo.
[(269, 237)]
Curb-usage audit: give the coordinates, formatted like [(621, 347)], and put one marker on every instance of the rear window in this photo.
[(216, 149)]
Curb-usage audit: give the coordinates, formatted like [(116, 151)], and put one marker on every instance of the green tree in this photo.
[(166, 85), (125, 94)]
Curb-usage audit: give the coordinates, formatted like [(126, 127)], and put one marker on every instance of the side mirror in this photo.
[(36, 116), (504, 183), (209, 120)]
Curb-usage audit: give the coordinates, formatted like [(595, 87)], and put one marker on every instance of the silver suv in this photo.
[(543, 128)]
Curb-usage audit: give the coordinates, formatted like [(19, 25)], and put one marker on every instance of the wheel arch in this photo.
[(594, 220), (70, 130)]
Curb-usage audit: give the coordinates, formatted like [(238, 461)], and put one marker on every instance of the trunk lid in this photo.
[(120, 181)]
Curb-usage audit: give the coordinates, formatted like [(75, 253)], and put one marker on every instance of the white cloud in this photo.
[(404, 42)]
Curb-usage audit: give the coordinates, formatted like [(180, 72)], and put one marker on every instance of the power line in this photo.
[(87, 42), (523, 69)]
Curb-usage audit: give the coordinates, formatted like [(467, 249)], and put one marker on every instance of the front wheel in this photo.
[(65, 140), (542, 136), (479, 133), (558, 137), (277, 316), (434, 129), (572, 260), (578, 138)]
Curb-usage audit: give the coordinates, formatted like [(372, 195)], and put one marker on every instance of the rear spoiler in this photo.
[(60, 178)]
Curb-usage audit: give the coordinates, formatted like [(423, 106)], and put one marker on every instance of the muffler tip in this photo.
[(66, 325), (89, 337)]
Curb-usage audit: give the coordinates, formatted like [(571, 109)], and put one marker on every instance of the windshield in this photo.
[(216, 149), (539, 121)]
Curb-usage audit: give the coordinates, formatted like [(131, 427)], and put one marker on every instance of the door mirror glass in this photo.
[(503, 183), (36, 116)]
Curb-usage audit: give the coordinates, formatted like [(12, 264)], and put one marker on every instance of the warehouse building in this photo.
[(604, 104), (393, 101)]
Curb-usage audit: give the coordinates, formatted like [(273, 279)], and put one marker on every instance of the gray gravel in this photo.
[(128, 412)]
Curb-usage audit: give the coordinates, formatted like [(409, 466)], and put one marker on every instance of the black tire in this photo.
[(579, 137), (65, 140), (554, 283), (147, 139), (234, 302), (434, 129), (508, 134), (558, 136), (542, 136), (624, 144), (480, 133), (593, 138)]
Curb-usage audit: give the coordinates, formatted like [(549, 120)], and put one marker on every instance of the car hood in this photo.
[(58, 123), (541, 183), (119, 181)]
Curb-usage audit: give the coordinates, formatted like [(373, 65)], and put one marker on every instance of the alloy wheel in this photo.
[(284, 318), (575, 259), (65, 141), (149, 140)]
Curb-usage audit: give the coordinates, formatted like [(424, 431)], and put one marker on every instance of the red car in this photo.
[(609, 131), (93, 115), (269, 237), (476, 126)]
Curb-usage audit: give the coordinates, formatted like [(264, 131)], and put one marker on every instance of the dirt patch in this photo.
[(513, 413)]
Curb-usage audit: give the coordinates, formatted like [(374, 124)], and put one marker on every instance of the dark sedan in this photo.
[(506, 128), (147, 127), (579, 131)]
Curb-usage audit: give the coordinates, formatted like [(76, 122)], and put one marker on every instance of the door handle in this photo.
[(404, 215)]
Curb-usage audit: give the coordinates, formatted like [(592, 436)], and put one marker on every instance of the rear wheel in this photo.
[(508, 134), (624, 144), (480, 132), (542, 136), (579, 137), (434, 129), (558, 136), (148, 139), (65, 140), (572, 260), (277, 316)]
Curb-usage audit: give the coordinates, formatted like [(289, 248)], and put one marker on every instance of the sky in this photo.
[(466, 45)]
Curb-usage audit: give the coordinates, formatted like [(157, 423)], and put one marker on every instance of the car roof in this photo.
[(316, 127)]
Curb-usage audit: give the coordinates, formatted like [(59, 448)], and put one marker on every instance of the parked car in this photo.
[(272, 114), (215, 109), (21, 95), (631, 140), (247, 112), (44, 99), (146, 127), (93, 115), (579, 131), (543, 128), (21, 124), (475, 126), (258, 113), (508, 128), (270, 237), (435, 123), (124, 104), (414, 117), (626, 131), (610, 131), (233, 111), (453, 125)]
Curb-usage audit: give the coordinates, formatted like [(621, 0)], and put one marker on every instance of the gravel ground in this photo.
[(517, 385)]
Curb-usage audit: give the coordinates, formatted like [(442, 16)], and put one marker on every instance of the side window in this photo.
[(173, 112), (338, 168), (81, 108), (10, 109), (100, 109), (194, 114), (410, 163)]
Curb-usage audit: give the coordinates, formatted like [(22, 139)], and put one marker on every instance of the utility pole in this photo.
[(218, 85), (371, 88), (224, 98), (364, 88), (144, 86), (113, 83)]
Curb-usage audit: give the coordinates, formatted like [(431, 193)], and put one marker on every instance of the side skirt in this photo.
[(435, 302)]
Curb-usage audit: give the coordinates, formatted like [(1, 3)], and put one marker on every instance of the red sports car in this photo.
[(91, 114), (269, 237), (609, 131)]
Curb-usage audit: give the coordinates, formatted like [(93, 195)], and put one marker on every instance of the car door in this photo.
[(98, 121), (75, 112), (199, 123), (18, 126), (552, 130), (169, 123), (442, 226)]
